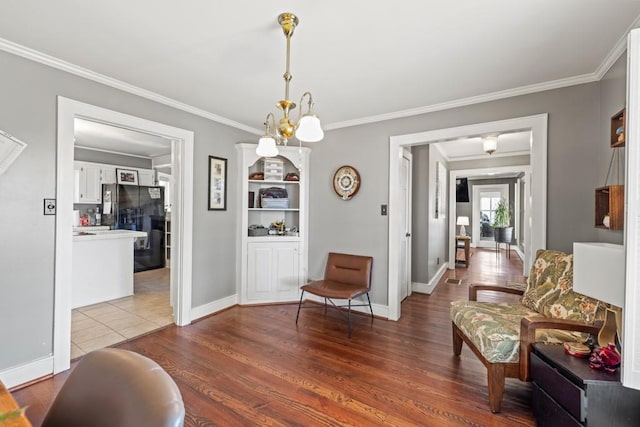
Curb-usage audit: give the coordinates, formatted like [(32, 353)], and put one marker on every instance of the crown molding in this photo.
[(607, 63), (524, 90), (618, 49), (34, 55)]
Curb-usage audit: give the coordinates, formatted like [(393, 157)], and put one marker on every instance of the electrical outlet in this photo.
[(383, 209), (49, 206)]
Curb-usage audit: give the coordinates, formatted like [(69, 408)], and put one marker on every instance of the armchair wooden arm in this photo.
[(528, 327), (474, 288)]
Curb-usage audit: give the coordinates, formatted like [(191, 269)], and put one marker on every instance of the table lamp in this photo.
[(599, 272), (462, 221)]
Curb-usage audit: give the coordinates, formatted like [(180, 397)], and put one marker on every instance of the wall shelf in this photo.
[(617, 122), (610, 200)]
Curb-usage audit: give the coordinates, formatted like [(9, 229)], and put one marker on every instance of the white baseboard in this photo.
[(519, 252), (427, 288), (28, 372), (213, 307)]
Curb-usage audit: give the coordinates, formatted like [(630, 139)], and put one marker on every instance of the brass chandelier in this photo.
[(308, 126)]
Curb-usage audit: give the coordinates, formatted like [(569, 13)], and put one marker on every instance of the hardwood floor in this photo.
[(253, 366)]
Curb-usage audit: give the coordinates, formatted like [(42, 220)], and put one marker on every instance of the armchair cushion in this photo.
[(494, 328), (550, 290)]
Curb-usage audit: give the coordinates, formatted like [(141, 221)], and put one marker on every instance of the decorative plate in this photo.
[(346, 182)]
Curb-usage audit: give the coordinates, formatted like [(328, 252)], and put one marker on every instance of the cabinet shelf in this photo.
[(274, 209), (618, 121), (610, 201), (262, 181)]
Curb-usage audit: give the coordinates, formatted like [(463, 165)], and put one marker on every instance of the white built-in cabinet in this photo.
[(87, 185), (88, 178), (146, 177), (272, 267)]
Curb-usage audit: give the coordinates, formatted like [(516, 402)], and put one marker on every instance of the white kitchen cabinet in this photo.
[(146, 177), (108, 174), (272, 267), (273, 271), (88, 179), (87, 183)]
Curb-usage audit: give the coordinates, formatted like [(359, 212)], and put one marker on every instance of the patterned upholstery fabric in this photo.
[(494, 328), (551, 272)]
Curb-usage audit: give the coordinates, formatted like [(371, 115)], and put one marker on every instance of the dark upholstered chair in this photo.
[(113, 387), (345, 277)]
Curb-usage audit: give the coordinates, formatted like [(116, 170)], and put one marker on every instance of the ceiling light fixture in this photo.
[(490, 144), (308, 127)]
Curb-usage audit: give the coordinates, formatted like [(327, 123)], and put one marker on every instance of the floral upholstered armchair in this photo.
[(501, 335)]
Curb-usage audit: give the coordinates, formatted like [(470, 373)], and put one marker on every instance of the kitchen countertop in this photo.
[(86, 235)]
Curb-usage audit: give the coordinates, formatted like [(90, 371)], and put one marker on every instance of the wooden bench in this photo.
[(345, 277)]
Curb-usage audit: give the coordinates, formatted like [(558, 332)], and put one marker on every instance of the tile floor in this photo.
[(108, 323)]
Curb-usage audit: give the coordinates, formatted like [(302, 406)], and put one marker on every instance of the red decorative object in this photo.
[(605, 358)]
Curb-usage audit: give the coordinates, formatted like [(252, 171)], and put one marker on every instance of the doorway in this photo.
[(182, 213), (537, 125), (484, 203)]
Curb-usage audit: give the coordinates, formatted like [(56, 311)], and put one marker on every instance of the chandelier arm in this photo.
[(309, 104)]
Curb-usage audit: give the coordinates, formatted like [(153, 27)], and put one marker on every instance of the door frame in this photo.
[(537, 124), (408, 157), (475, 217), (182, 214)]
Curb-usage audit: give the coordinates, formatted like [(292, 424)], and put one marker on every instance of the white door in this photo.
[(405, 217), (485, 199)]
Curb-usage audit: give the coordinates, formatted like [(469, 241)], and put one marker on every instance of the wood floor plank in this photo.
[(253, 366)]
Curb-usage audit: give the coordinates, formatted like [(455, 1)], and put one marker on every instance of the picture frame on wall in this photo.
[(127, 176), (217, 184)]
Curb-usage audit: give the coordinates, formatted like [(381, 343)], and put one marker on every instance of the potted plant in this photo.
[(502, 229)]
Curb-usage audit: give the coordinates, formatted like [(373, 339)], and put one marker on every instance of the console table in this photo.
[(566, 392), (466, 241)]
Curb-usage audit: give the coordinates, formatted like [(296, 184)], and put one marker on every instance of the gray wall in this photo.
[(613, 99), (576, 137), (429, 235), (438, 227), (575, 132), (420, 214), (27, 254), (111, 158)]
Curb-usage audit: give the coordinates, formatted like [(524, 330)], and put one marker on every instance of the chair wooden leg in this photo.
[(457, 340), (495, 379), (299, 305)]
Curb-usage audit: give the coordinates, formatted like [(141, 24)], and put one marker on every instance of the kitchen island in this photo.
[(102, 265)]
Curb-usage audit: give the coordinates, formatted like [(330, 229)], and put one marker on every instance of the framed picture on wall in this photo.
[(441, 192), (217, 184), (127, 176)]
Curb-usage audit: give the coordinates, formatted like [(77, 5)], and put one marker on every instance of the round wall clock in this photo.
[(346, 182)]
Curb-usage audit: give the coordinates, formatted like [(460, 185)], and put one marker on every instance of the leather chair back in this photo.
[(350, 269), (113, 387)]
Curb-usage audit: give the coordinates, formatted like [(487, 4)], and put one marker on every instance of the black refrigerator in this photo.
[(138, 208)]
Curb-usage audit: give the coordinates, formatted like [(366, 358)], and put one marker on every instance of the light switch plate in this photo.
[(49, 206), (383, 209)]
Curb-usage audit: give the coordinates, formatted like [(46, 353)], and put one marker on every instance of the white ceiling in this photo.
[(99, 136), (362, 60), (509, 144)]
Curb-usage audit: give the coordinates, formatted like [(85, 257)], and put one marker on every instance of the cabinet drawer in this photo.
[(548, 413), (559, 388)]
